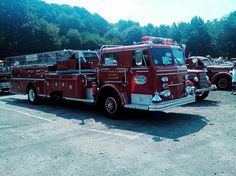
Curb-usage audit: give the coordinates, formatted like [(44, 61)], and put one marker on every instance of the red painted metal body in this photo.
[(4, 77), (219, 75), (112, 76), (202, 83)]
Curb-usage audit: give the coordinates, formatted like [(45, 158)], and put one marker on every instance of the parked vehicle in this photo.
[(150, 75), (202, 83), (4, 78), (219, 75)]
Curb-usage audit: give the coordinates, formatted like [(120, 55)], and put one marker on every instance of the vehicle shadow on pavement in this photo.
[(204, 103), (5, 94), (159, 125)]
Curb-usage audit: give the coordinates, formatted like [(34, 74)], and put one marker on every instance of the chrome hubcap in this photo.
[(111, 105), (31, 95)]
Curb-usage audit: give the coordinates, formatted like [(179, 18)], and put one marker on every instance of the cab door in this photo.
[(141, 78)]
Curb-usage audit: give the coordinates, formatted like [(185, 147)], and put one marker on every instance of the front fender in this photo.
[(120, 91), (221, 74)]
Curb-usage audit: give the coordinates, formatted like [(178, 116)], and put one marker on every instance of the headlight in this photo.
[(165, 93), (188, 89), (164, 79), (186, 77), (195, 78)]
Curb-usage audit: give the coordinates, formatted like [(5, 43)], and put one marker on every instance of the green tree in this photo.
[(74, 40)]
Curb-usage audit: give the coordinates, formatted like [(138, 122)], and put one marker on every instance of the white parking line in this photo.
[(70, 124), (29, 115), (111, 133)]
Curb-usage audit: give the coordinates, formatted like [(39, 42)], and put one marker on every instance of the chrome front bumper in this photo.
[(4, 85), (213, 87), (163, 105)]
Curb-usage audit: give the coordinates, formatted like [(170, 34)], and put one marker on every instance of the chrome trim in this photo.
[(164, 74), (143, 71), (80, 100), (43, 95), (218, 71), (160, 71), (63, 79), (163, 105), (73, 72), (120, 68), (126, 76), (213, 87), (179, 84), (178, 70), (104, 69), (139, 68), (27, 79), (141, 99)]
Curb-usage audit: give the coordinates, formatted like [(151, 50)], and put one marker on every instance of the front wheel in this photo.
[(112, 106), (202, 96), (33, 98), (223, 83)]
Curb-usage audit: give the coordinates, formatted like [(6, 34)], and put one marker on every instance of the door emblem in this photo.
[(140, 80)]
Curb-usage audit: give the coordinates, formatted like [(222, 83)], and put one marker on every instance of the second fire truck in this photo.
[(4, 77), (150, 75), (218, 74)]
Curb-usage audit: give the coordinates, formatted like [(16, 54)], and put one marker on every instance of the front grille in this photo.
[(203, 80)]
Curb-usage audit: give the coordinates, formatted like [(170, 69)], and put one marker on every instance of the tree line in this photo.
[(31, 26)]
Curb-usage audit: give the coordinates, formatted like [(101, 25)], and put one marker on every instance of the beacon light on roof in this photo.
[(157, 40)]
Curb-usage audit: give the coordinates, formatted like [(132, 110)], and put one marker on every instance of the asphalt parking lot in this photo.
[(70, 138)]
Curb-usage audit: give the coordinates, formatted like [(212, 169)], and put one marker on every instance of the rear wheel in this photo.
[(33, 98), (223, 83), (112, 105), (202, 96)]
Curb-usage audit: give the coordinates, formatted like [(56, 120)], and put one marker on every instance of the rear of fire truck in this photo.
[(150, 75)]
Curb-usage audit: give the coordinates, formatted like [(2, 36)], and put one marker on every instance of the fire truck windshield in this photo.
[(167, 56)]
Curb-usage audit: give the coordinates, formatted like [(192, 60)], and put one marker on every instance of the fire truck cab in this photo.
[(150, 75)]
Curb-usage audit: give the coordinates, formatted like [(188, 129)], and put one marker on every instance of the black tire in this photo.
[(112, 105), (201, 96), (33, 98), (223, 83)]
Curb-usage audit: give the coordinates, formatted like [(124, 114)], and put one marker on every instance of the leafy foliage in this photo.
[(35, 26)]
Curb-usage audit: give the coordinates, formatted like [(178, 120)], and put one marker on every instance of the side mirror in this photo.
[(138, 57)]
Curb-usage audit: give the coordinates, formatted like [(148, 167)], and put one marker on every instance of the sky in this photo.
[(156, 12)]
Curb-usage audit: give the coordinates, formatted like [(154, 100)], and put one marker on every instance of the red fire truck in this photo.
[(150, 75), (219, 75), (4, 77)]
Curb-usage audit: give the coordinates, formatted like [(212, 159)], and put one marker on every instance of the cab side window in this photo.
[(110, 59)]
